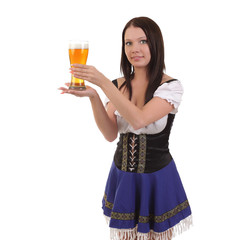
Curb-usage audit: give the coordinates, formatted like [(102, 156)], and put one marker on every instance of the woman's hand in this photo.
[(88, 73), (89, 92)]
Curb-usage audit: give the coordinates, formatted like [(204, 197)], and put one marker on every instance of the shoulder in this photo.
[(120, 81), (170, 90), (166, 78), (171, 85)]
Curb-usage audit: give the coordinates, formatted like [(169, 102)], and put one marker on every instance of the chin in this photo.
[(140, 65)]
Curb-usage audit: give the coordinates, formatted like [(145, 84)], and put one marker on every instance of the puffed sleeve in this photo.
[(106, 101), (172, 92)]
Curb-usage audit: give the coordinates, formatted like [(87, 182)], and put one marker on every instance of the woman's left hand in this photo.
[(88, 92), (88, 73)]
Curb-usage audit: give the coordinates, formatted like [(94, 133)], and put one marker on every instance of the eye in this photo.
[(143, 41), (128, 43)]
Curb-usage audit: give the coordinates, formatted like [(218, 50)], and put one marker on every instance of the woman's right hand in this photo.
[(88, 92)]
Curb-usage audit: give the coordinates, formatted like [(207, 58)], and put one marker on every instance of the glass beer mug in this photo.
[(78, 53)]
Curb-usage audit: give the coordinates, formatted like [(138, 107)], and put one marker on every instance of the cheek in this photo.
[(148, 54), (148, 50), (127, 53)]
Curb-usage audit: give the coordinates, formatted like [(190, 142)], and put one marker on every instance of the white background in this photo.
[(53, 160)]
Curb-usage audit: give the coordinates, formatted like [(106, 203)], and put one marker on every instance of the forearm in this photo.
[(107, 126), (131, 113), (137, 117)]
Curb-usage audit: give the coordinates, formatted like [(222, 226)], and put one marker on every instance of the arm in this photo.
[(105, 119), (154, 110)]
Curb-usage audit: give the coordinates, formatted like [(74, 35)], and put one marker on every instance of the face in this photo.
[(136, 47)]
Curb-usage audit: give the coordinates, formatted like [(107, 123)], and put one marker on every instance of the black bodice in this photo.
[(144, 153)]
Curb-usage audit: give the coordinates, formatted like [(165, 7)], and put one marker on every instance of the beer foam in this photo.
[(78, 45)]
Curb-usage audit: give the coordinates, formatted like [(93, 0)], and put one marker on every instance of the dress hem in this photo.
[(133, 234)]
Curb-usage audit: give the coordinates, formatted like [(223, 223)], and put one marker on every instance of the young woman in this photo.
[(144, 198)]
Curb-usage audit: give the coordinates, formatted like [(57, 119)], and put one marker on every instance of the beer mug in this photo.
[(78, 53)]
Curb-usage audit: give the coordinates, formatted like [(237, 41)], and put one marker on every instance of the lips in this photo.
[(136, 58)]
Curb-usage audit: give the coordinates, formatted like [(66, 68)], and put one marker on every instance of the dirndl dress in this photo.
[(144, 198)]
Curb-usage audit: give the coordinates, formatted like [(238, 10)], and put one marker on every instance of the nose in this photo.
[(135, 48)]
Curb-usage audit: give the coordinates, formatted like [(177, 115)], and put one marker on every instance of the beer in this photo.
[(78, 53)]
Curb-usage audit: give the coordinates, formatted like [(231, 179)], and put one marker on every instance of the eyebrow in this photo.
[(137, 38)]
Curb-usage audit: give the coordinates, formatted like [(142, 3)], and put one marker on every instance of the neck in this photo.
[(140, 74)]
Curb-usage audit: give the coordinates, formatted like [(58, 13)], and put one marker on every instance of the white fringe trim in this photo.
[(133, 234)]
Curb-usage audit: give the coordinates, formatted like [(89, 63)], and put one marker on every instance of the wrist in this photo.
[(94, 95), (104, 82), (105, 85)]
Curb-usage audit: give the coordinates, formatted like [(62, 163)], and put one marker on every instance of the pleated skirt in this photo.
[(146, 206)]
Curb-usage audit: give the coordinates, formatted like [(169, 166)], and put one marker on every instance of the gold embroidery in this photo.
[(123, 216), (142, 153), (165, 216), (107, 204), (146, 219)]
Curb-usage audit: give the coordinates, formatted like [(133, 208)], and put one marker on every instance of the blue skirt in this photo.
[(146, 204)]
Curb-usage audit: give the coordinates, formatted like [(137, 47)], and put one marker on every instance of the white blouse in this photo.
[(172, 92)]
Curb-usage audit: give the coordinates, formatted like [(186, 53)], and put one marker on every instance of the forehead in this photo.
[(134, 33)]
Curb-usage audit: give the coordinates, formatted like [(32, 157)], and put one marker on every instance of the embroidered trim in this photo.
[(107, 204), (165, 216), (133, 234), (146, 219), (123, 216), (125, 153), (142, 153)]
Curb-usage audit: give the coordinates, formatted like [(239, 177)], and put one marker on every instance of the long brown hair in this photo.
[(156, 65)]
